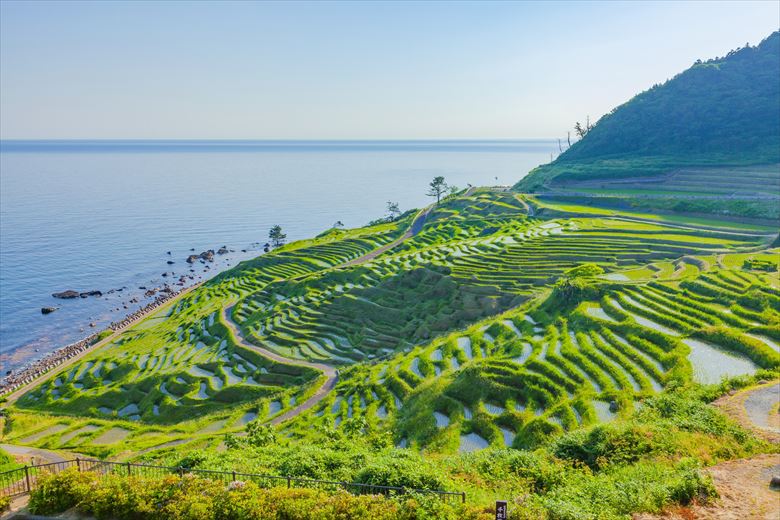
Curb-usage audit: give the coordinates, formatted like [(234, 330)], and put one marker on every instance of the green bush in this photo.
[(402, 469), (57, 493), (193, 498), (605, 444)]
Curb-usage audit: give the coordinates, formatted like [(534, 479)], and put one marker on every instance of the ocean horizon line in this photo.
[(272, 145)]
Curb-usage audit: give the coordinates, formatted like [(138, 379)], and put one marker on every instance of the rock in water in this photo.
[(48, 310), (91, 293), (66, 295), (222, 250)]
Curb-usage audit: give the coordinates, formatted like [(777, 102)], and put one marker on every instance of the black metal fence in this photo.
[(23, 480)]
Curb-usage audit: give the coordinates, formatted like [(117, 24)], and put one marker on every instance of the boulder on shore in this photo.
[(66, 295), (48, 310)]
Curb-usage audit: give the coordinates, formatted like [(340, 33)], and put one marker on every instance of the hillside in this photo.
[(711, 131), (505, 324)]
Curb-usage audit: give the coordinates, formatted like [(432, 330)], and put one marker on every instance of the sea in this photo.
[(104, 215)]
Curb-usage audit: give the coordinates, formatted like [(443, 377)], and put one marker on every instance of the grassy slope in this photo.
[(702, 133), (468, 327)]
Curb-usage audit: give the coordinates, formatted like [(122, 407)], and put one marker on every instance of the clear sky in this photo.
[(347, 70)]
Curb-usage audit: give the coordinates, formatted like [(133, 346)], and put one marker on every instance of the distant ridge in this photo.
[(724, 111)]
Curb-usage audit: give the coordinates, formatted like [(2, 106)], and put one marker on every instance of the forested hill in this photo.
[(722, 111)]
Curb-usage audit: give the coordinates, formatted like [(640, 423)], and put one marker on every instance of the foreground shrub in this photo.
[(609, 444), (58, 493), (402, 469), (193, 498), (621, 491)]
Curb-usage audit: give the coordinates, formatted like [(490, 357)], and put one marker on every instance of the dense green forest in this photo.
[(724, 111)]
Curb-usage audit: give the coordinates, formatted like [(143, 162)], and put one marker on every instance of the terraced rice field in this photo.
[(727, 181), (531, 372), (454, 340)]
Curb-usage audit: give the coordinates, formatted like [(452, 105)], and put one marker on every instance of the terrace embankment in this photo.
[(17, 381), (330, 373)]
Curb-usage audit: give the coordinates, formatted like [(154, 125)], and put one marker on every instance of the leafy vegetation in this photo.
[(703, 142), (517, 349)]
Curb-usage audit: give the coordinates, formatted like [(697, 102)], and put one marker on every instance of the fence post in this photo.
[(181, 471), (463, 497), (234, 476), (128, 469), (289, 482), (27, 477), (78, 464)]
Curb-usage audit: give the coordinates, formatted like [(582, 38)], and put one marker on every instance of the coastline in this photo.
[(14, 384)]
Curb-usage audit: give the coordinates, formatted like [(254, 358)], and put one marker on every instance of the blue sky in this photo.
[(348, 70)]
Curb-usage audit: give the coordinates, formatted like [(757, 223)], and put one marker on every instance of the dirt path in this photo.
[(330, 372), (743, 485), (417, 224), (756, 408), (28, 453), (528, 207)]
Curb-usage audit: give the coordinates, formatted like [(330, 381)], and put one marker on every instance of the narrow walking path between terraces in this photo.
[(417, 224), (330, 372)]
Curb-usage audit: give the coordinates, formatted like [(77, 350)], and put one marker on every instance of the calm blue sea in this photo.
[(87, 215)]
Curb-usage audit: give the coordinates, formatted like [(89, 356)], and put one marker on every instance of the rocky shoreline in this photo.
[(29, 373)]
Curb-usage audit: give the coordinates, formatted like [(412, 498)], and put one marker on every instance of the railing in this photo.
[(23, 480)]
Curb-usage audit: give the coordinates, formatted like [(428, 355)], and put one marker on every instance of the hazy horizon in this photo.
[(345, 70)]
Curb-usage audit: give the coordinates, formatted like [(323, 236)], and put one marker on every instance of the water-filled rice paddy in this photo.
[(446, 335)]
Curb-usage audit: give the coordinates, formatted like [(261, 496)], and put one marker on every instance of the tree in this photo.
[(276, 236), (437, 187), (581, 130), (392, 211), (338, 224), (453, 189)]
